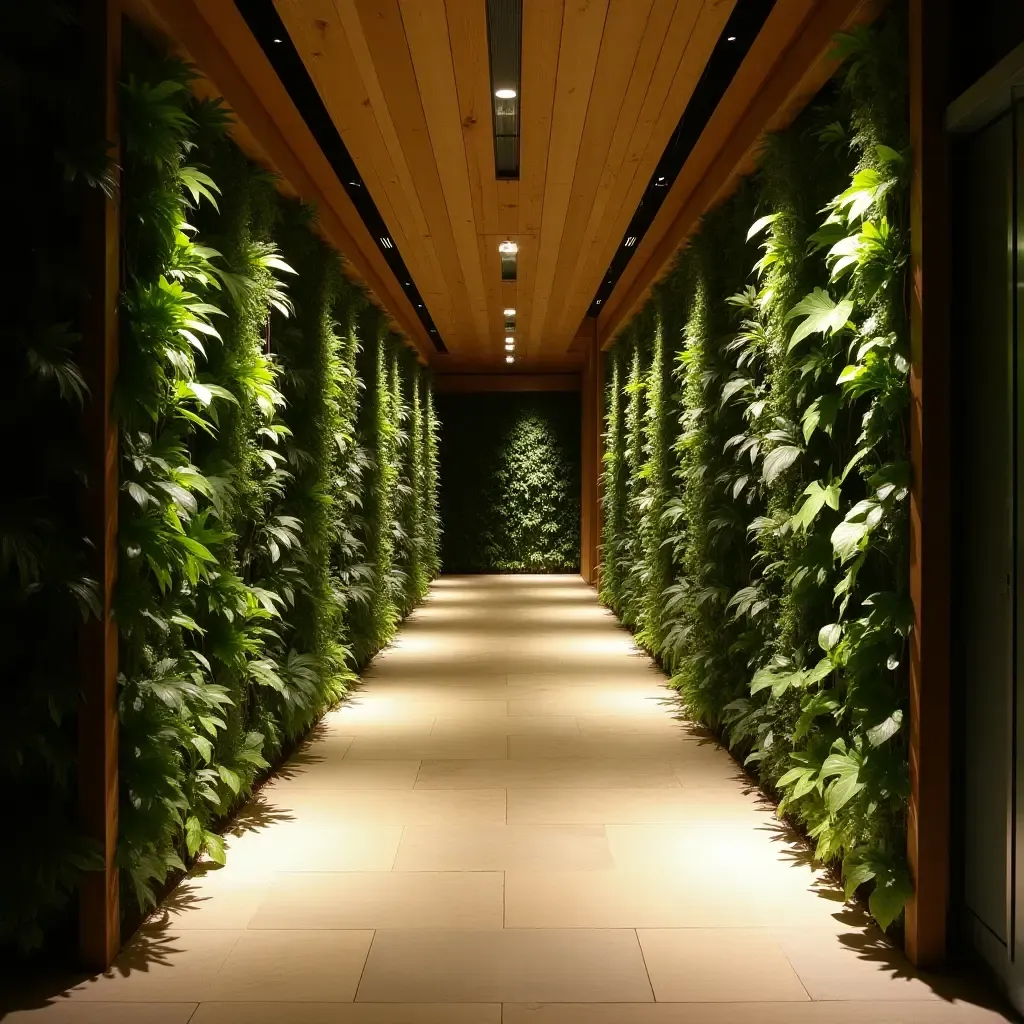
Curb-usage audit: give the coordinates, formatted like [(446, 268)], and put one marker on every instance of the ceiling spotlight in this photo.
[(510, 312), (510, 359), (508, 246), (730, 39), (277, 40), (505, 94), (509, 345), (510, 340)]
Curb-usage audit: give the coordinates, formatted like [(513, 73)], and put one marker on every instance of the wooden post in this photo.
[(590, 454), (99, 912), (928, 829)]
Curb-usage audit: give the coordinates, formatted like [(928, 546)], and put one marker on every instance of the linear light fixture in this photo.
[(387, 243), (508, 246), (509, 312), (504, 41)]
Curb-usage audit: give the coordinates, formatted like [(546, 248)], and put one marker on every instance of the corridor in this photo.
[(507, 824)]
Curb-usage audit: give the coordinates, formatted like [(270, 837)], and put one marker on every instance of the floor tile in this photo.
[(503, 848), (627, 806), (707, 965), (346, 774), (292, 966), (341, 1013), (162, 965), (317, 848), (505, 725), (506, 966), (626, 745), (469, 745), (393, 806), (926, 1012), (852, 964), (386, 899), (104, 1013), (217, 898), (555, 773)]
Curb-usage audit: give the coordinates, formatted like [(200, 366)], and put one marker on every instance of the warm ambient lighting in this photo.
[(505, 94), (510, 340), (508, 246), (509, 346), (510, 312), (510, 359)]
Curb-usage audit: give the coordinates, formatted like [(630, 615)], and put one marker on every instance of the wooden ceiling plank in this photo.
[(542, 32), (669, 93), (467, 33), (582, 29), (272, 132), (669, 27), (427, 34), (377, 35), (624, 32), (316, 31), (779, 83)]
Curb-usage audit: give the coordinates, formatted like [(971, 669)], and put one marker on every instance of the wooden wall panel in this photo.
[(99, 903)]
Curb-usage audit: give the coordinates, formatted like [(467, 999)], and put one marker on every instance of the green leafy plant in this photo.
[(775, 557), (510, 466)]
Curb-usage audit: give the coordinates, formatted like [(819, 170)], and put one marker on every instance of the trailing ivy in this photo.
[(510, 472), (775, 559)]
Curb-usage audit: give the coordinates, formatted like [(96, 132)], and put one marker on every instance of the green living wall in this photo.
[(756, 470), (278, 509), (510, 466)]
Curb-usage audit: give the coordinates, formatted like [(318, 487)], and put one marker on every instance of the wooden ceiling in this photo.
[(407, 83)]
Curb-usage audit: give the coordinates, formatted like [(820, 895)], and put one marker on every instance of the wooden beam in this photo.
[(590, 457), (786, 67), (99, 905), (928, 814), (471, 382), (215, 37)]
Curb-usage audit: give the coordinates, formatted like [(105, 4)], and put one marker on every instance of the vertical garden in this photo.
[(278, 468), (755, 483), (510, 462)]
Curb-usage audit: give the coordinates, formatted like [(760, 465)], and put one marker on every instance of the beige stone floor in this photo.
[(507, 823)]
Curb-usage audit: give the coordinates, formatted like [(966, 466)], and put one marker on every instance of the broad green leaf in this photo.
[(229, 778), (822, 315), (829, 636), (778, 460), (193, 835)]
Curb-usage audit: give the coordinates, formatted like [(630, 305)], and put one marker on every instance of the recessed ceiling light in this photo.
[(510, 339), (505, 94), (510, 345), (277, 40), (508, 246), (510, 312), (730, 39), (598, 303), (510, 359)]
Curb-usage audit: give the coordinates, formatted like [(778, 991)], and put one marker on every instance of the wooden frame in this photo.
[(590, 455), (99, 904), (928, 814), (447, 383)]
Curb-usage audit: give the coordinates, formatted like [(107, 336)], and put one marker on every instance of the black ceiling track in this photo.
[(266, 25), (742, 28)]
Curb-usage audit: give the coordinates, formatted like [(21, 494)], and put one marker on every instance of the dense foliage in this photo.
[(278, 469), (54, 169), (510, 466), (755, 496)]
